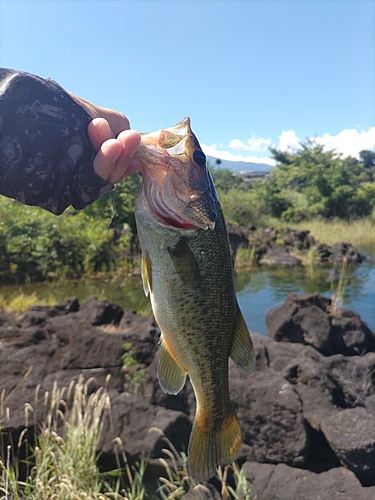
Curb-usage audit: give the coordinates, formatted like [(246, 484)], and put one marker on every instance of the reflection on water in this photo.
[(258, 290), (127, 292)]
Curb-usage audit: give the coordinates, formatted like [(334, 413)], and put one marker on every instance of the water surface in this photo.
[(258, 290)]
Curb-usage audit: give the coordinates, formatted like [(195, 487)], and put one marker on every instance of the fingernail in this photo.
[(104, 130)]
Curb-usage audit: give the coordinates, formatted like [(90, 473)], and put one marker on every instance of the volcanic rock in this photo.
[(311, 319), (306, 413), (281, 482)]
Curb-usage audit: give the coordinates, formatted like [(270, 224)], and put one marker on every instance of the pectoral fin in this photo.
[(242, 351), (170, 374), (146, 274), (185, 263)]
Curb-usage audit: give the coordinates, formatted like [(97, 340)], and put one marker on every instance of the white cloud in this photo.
[(288, 141), (252, 144), (226, 155), (349, 142)]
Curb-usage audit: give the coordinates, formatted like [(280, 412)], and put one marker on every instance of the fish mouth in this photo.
[(176, 181), (178, 210)]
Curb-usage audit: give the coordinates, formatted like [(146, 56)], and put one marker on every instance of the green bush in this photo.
[(37, 246), (315, 183)]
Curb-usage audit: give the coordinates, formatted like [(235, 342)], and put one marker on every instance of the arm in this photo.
[(51, 154)]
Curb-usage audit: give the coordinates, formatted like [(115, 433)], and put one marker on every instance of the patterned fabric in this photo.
[(46, 158)]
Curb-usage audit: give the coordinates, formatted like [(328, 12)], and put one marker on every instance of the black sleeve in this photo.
[(46, 158)]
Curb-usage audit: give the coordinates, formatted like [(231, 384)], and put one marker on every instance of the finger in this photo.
[(130, 140), (99, 131), (105, 161), (126, 165)]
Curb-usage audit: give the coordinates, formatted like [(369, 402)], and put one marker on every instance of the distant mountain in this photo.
[(238, 166)]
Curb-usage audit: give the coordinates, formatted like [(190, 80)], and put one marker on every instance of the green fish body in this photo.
[(187, 270)]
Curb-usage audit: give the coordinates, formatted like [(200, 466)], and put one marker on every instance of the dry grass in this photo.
[(360, 233), (18, 302), (178, 482), (63, 465)]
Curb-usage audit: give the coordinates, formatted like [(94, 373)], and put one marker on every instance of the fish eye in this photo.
[(199, 157)]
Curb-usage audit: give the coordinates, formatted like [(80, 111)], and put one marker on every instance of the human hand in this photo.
[(115, 143), (114, 160)]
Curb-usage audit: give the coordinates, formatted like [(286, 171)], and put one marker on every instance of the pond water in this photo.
[(258, 290)]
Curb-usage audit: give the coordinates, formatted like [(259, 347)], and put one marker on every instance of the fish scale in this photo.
[(187, 270)]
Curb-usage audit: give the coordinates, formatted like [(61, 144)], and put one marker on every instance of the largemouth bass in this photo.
[(187, 271)]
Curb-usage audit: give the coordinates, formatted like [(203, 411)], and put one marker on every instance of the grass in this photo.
[(245, 259), (63, 463), (360, 233), (18, 302), (63, 466), (338, 291)]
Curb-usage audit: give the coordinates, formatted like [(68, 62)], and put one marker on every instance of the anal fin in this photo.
[(242, 352), (171, 376)]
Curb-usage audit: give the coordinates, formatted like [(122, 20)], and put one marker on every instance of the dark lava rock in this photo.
[(270, 412), (302, 240), (143, 428), (61, 348), (272, 246), (354, 375), (351, 435), (38, 315), (279, 256), (238, 237), (346, 251), (101, 312), (7, 319), (330, 388), (143, 334), (309, 319), (304, 405), (281, 482)]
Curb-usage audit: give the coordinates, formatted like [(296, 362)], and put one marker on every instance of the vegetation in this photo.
[(63, 464), (38, 246), (18, 302), (359, 232), (316, 183), (308, 185), (305, 185)]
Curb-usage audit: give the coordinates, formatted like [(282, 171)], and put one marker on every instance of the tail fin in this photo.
[(211, 446)]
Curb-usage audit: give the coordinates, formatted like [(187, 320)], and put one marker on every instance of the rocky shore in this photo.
[(307, 412), (277, 247)]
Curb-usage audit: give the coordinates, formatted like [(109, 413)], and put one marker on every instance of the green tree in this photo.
[(368, 158), (313, 182), (224, 178)]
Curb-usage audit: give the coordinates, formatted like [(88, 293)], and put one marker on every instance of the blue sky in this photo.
[(250, 74)]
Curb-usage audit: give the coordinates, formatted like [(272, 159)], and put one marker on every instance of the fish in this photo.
[(187, 271)]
